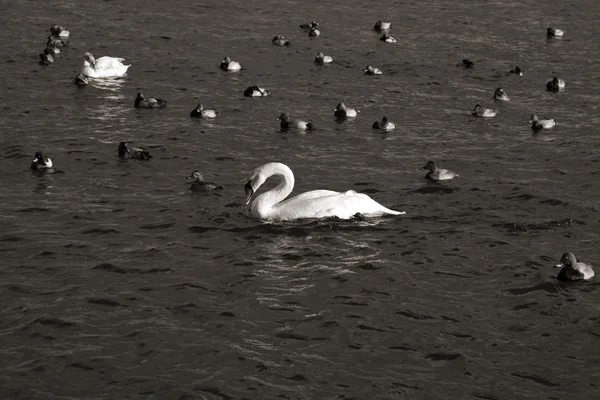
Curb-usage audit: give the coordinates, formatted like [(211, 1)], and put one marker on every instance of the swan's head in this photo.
[(89, 58), (256, 179), (123, 149), (196, 176), (567, 260)]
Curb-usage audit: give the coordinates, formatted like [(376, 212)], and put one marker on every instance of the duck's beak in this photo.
[(559, 265), (249, 192)]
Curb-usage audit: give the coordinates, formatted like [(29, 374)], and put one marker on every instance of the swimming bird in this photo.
[(287, 123), (200, 112), (199, 185), (387, 38), (538, 124), (51, 48), (314, 32), (133, 152), (46, 58), (500, 95), (103, 67), (255, 91), (59, 31), (40, 161), (81, 79), (280, 41), (142, 101), (517, 70), (271, 206), (229, 65), (369, 70), (481, 111), (382, 26), (573, 270), (468, 63), (323, 59), (308, 25), (56, 41), (384, 125), (554, 32), (555, 85), (342, 112), (438, 174)]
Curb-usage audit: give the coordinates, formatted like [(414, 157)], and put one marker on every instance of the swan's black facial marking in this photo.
[(249, 191)]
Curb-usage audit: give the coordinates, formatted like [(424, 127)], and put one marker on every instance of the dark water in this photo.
[(117, 282)]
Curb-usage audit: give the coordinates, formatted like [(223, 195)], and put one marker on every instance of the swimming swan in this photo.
[(103, 67), (271, 206)]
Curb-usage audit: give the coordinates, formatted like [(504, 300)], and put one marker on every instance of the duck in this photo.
[(280, 41), (41, 162), (538, 124), (555, 85), (516, 70), (133, 152), (369, 70), (255, 91), (480, 111), (382, 26), (500, 95), (309, 25), (387, 38), (81, 80), (104, 67), (314, 32), (46, 58), (59, 31), (384, 125), (342, 112), (199, 185), (228, 65), (274, 206), (52, 49), (142, 101), (438, 174), (468, 63), (323, 59), (573, 270), (287, 123), (56, 41), (200, 112), (554, 32)]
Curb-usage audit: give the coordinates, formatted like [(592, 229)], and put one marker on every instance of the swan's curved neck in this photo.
[(263, 204)]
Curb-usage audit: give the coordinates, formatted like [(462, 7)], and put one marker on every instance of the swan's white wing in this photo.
[(109, 63), (327, 203)]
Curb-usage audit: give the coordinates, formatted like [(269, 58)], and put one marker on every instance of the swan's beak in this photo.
[(249, 192)]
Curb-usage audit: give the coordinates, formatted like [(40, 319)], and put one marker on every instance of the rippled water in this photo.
[(116, 281)]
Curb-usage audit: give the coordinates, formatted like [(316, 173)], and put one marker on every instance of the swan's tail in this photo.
[(392, 212)]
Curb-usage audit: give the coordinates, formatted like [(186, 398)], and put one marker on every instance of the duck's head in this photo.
[(226, 60), (340, 107), (123, 149), (314, 24), (477, 110), (567, 260), (196, 176), (431, 166), (277, 38), (38, 158), (283, 117), (518, 70), (368, 68), (384, 121), (533, 118)]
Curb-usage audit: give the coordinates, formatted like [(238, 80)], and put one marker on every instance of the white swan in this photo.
[(103, 67), (271, 206)]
